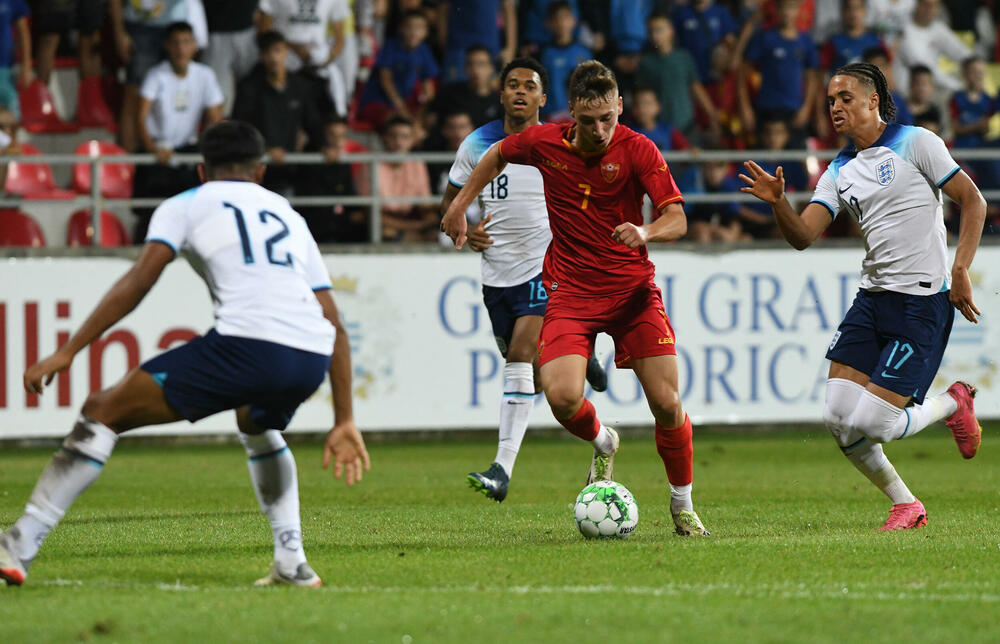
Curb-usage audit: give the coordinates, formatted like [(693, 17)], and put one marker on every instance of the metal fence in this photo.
[(95, 202)]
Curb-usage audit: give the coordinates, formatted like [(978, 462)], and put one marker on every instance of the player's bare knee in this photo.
[(667, 409), (564, 401), (98, 407), (522, 354)]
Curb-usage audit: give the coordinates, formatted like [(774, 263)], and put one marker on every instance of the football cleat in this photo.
[(12, 570), (304, 576), (904, 516), (602, 467), (596, 375), (965, 429), (687, 523), (492, 483)]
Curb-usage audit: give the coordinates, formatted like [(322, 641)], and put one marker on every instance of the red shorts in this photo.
[(635, 320)]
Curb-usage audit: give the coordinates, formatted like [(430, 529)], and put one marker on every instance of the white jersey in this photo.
[(179, 103), (257, 257), (305, 22), (893, 189), (516, 201)]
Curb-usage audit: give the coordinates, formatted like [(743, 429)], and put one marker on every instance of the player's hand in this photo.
[(479, 239), (45, 371), (454, 225), (346, 447), (762, 185), (961, 295), (631, 235)]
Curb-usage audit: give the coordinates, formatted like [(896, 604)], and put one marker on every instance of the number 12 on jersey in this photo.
[(269, 243)]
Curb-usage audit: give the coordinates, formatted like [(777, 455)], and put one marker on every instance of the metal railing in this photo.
[(95, 201)]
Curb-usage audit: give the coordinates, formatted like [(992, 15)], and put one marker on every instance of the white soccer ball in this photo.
[(605, 510)]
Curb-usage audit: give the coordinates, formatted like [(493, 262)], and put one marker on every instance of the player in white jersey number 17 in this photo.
[(276, 328), (887, 350)]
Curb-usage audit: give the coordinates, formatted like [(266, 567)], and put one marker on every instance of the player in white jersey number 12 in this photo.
[(512, 237), (276, 328), (889, 346)]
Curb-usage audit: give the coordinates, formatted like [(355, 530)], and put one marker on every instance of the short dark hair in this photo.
[(178, 27), (971, 59), (920, 69), (526, 62), (556, 7), (477, 48), (231, 145), (413, 13), (592, 81), (872, 53), (393, 121), (268, 39)]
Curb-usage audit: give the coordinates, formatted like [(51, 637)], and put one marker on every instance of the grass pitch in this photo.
[(165, 547)]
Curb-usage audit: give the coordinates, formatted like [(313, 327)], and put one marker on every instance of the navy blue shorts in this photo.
[(507, 303), (898, 339), (217, 372)]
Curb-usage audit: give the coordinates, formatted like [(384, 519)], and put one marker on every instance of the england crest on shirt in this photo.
[(885, 172)]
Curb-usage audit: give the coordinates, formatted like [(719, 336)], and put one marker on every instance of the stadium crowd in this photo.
[(342, 76)]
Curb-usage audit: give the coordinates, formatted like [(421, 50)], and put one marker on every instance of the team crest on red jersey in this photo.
[(609, 170)]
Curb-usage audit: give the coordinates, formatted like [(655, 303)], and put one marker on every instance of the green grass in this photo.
[(165, 547)]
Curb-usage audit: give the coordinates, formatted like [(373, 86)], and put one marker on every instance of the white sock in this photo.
[(935, 408), (871, 461), (275, 481), (604, 442), (680, 498), (515, 408), (71, 471), (882, 422)]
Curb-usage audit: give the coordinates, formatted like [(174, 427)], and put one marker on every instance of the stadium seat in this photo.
[(79, 232), (115, 178), (38, 111), (19, 229), (91, 108), (33, 180)]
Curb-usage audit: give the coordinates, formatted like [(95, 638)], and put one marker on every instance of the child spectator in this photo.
[(533, 17), (671, 71), (476, 95), (336, 223), (405, 74), (787, 61), (854, 38), (924, 109), (560, 58), (645, 112), (468, 23), (971, 110), (925, 40), (14, 18), (879, 57), (758, 219), (403, 221), (701, 26), (716, 221)]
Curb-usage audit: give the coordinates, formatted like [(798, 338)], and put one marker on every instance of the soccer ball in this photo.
[(605, 509)]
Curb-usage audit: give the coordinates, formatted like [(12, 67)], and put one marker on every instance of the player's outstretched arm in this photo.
[(118, 302), (670, 225), (798, 230), (964, 192), (344, 443), (489, 168)]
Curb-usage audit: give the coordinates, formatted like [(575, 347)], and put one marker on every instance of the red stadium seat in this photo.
[(33, 180), (81, 233), (38, 112), (91, 108), (115, 178), (19, 229)]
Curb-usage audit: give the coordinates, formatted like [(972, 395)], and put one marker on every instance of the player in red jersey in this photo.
[(597, 270)]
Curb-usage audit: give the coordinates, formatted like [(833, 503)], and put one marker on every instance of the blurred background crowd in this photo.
[(344, 76)]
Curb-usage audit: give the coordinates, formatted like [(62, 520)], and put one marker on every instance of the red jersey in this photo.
[(588, 196)]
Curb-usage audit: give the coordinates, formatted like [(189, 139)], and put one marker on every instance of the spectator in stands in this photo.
[(723, 92), (560, 57), (671, 71), (923, 107), (232, 50), (701, 26), (879, 57), (405, 75), (454, 128), (533, 20), (645, 114), (717, 221), (788, 63), (758, 219), (402, 221), (468, 23), (888, 17), (14, 18), (476, 95), (177, 97), (306, 25), (336, 178), (140, 30), (277, 102), (971, 111), (924, 41), (852, 40)]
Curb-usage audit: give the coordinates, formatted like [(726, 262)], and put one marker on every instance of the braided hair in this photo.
[(872, 77)]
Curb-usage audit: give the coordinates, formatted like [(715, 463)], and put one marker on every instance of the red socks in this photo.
[(677, 451), (584, 423)]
